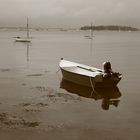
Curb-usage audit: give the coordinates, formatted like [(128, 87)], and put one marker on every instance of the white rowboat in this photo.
[(86, 75)]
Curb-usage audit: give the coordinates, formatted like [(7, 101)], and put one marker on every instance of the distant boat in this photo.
[(91, 33), (25, 39), (88, 76), (109, 96)]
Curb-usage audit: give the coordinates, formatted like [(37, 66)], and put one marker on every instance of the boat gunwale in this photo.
[(80, 66)]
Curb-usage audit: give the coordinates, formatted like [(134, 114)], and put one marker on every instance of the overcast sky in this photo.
[(69, 13)]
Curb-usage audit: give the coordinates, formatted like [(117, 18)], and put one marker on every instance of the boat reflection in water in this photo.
[(109, 96)]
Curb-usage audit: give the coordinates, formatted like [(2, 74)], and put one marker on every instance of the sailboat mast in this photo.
[(27, 29), (91, 30)]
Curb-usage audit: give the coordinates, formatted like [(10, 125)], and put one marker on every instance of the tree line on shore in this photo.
[(110, 27)]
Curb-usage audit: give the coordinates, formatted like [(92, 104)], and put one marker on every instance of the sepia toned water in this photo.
[(36, 65)]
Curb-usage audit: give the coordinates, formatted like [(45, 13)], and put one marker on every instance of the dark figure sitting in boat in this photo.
[(107, 69)]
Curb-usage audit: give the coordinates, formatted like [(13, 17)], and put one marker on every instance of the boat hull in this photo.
[(23, 40), (89, 81)]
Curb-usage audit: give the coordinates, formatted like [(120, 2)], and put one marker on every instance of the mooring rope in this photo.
[(91, 86), (93, 89), (57, 70), (58, 74)]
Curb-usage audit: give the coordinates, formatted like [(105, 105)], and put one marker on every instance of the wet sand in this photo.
[(30, 110)]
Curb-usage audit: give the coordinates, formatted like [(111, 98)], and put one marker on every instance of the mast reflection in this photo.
[(109, 96), (28, 51)]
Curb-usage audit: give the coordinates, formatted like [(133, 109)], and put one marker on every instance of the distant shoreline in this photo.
[(110, 28), (84, 28)]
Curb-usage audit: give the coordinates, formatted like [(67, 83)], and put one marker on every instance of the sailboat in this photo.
[(91, 33), (25, 39)]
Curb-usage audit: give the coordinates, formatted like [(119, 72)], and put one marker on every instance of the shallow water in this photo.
[(35, 65)]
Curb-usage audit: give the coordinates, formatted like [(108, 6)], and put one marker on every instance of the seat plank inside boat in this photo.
[(82, 71)]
